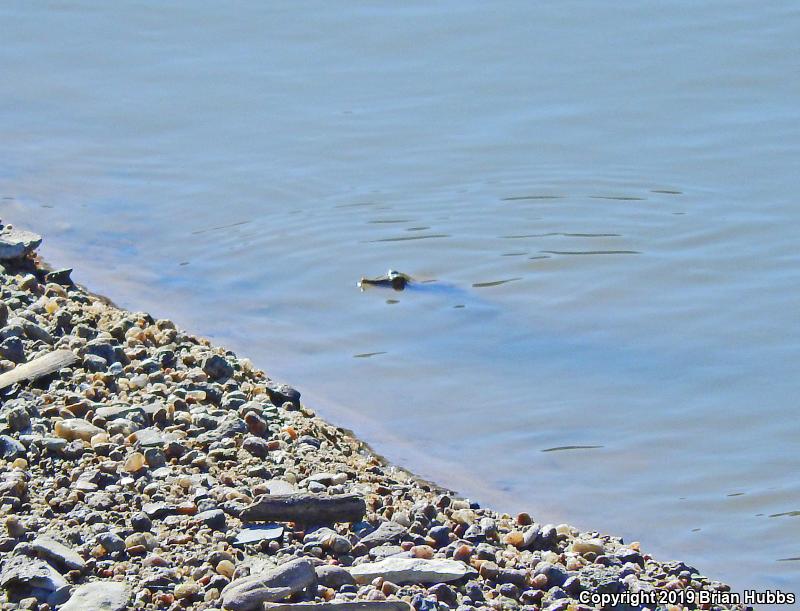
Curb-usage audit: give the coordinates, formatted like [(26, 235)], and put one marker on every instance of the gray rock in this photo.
[(37, 333), (281, 393), (99, 596), (157, 511), (385, 551), (228, 427), (94, 363), (273, 585), (57, 554), (150, 438), (16, 243), (24, 577), (217, 367), (387, 532), (333, 576), (18, 419), (280, 486), (327, 538), (556, 576), (403, 571), (155, 458), (213, 518), (10, 448), (122, 410), (112, 542), (12, 349), (60, 276)]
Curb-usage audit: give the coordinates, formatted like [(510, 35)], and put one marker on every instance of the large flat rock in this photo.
[(272, 585), (16, 243), (99, 596), (410, 570), (57, 554)]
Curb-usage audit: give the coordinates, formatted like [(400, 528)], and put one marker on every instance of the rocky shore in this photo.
[(143, 468)]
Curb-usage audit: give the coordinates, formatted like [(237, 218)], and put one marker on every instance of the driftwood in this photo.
[(362, 605), (38, 367), (305, 508)]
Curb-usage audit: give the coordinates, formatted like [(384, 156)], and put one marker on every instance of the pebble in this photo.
[(76, 428)]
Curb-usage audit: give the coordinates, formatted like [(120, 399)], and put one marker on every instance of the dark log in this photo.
[(305, 508)]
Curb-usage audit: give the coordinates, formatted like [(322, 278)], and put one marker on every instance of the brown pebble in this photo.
[(226, 567), (524, 519), (422, 551), (389, 588), (186, 590), (515, 538), (462, 553), (539, 582)]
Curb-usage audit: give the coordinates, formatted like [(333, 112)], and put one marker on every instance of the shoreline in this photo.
[(151, 464)]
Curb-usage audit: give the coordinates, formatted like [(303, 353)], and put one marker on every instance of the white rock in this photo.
[(16, 243), (99, 596), (410, 570), (584, 546)]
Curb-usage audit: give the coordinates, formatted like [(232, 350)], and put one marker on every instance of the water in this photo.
[(631, 170)]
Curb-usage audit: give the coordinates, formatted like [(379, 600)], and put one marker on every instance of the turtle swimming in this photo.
[(397, 280)]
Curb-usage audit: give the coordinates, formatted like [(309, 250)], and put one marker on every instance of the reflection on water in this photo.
[(238, 170)]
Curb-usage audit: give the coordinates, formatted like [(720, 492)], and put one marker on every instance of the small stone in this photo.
[(140, 522), (14, 527), (187, 590), (584, 546), (18, 419), (387, 532), (515, 538), (462, 553), (217, 367), (140, 540), (59, 276), (111, 542), (12, 349), (333, 576), (76, 428), (10, 448), (134, 463), (440, 535), (226, 567), (213, 518), (256, 446)]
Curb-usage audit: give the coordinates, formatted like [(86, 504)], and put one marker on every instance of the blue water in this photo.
[(630, 169)]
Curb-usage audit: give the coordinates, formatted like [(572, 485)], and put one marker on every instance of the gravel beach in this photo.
[(142, 467)]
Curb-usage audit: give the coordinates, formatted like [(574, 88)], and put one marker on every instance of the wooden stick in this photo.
[(38, 367)]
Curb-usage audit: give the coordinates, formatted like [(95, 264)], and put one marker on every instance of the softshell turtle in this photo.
[(397, 280)]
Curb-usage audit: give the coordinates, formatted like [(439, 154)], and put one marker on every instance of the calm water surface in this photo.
[(630, 171)]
